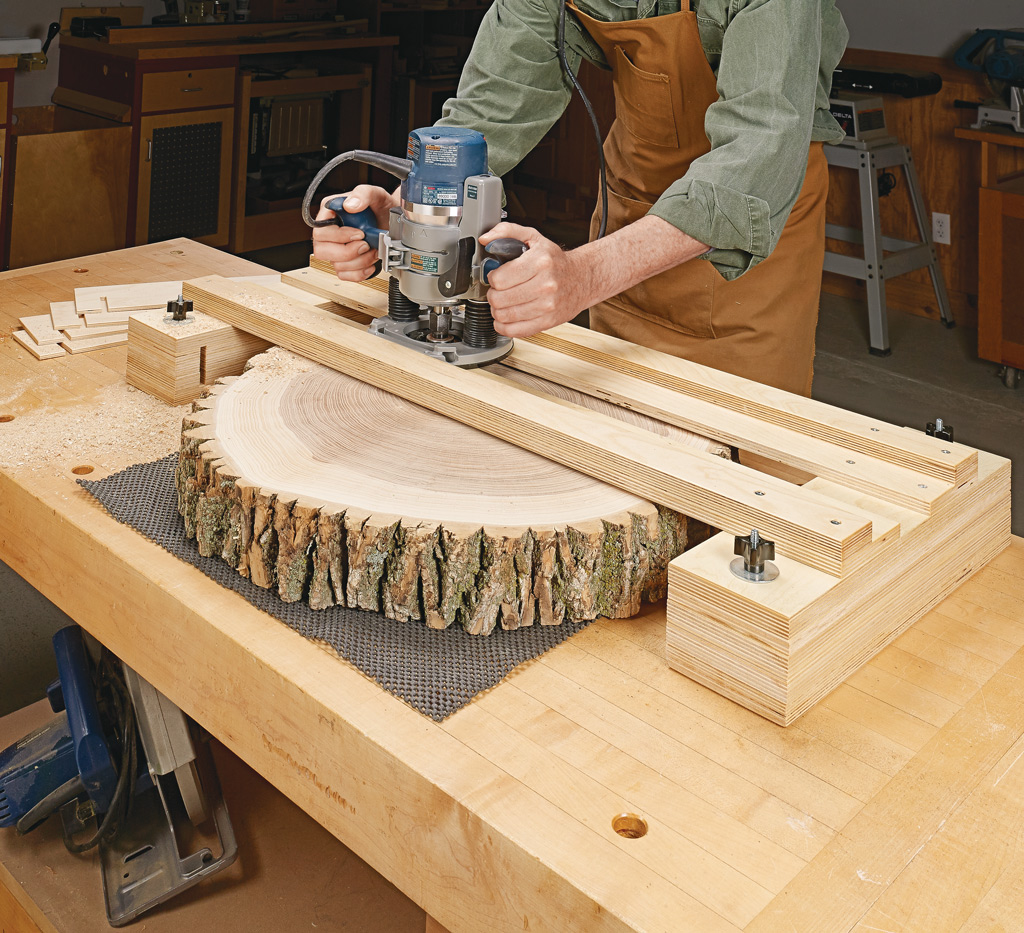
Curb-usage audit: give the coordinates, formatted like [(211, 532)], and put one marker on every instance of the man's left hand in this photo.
[(542, 288)]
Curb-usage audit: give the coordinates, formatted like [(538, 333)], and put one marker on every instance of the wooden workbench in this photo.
[(895, 804)]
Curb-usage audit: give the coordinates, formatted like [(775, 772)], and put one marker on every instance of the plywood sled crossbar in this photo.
[(887, 521), (914, 450), (813, 529)]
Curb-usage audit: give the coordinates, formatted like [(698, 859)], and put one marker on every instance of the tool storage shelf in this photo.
[(187, 92), (343, 100)]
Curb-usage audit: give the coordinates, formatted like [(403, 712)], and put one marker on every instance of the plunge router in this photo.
[(437, 296)]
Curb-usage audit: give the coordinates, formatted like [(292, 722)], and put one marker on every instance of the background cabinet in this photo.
[(184, 171), (67, 176), (189, 95)]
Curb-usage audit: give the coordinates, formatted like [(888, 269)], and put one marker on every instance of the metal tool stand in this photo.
[(884, 257)]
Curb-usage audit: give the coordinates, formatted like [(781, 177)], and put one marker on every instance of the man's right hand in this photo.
[(345, 248)]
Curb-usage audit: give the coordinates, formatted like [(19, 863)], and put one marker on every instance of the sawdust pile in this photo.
[(118, 426)]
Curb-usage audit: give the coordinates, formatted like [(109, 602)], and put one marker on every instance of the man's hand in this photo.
[(540, 289), (547, 286), (345, 248)]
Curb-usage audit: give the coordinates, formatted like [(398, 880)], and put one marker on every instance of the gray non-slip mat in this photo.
[(435, 672)]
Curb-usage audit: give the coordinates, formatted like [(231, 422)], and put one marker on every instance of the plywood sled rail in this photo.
[(765, 411), (949, 462), (813, 529)]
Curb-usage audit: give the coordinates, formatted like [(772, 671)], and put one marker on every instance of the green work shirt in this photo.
[(773, 60)]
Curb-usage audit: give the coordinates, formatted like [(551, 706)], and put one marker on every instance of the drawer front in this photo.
[(3, 105), (184, 90)]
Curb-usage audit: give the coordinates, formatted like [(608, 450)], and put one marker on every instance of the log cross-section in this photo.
[(805, 526)]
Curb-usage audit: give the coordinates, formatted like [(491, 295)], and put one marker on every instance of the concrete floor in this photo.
[(932, 372)]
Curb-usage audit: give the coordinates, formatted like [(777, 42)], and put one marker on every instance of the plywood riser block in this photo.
[(175, 368), (779, 648)]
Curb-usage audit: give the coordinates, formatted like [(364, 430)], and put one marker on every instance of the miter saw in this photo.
[(119, 765), (999, 55), (437, 295)]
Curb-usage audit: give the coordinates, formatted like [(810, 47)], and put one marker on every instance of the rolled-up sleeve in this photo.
[(736, 197), (512, 88)]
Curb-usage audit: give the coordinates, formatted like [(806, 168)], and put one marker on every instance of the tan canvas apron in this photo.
[(760, 325)]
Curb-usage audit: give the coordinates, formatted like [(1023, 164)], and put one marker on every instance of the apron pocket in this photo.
[(644, 103), (682, 298)]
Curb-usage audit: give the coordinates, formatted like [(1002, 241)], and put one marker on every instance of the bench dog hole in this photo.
[(84, 470), (630, 826), (5, 418)]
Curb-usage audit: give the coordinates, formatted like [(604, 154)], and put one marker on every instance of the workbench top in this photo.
[(895, 804)]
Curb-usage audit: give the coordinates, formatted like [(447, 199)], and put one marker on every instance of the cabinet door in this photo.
[(185, 177)]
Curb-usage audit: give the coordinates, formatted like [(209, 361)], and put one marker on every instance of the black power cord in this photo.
[(593, 118)]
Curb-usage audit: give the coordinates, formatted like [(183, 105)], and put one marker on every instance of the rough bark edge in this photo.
[(437, 574)]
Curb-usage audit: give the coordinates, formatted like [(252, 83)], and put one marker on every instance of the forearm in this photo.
[(547, 286), (628, 256)]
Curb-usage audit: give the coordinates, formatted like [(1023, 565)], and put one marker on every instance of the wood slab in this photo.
[(300, 478)]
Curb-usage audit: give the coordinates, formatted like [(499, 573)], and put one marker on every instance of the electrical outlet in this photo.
[(940, 228)]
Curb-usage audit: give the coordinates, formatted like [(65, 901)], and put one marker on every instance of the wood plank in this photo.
[(40, 328), (857, 432), (726, 495), (63, 314), (39, 351), (770, 406), (102, 318), (131, 297), (95, 343), (871, 475), (94, 330)]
